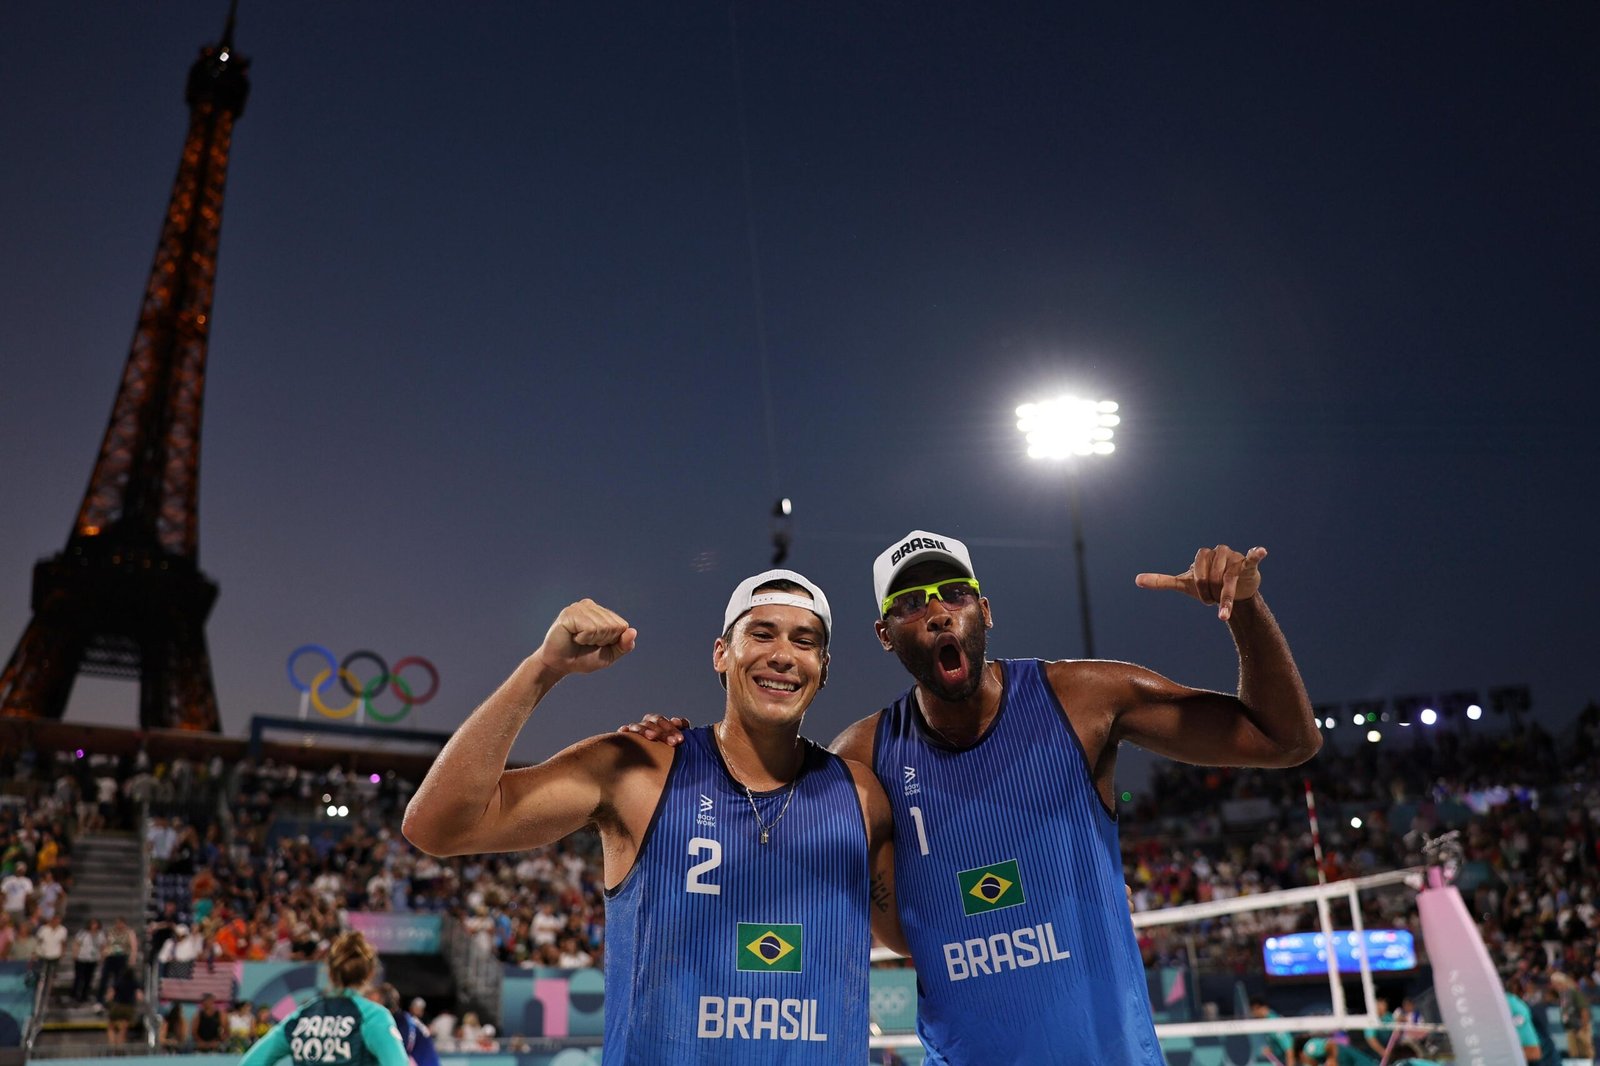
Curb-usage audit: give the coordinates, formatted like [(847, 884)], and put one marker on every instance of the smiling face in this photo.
[(773, 660), (944, 648)]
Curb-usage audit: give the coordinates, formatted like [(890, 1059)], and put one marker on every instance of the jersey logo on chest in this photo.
[(990, 888), (764, 947)]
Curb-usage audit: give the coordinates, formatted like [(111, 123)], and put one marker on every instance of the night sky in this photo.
[(488, 333)]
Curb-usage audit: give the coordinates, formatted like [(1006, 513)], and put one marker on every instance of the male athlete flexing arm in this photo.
[(742, 867), (1001, 777)]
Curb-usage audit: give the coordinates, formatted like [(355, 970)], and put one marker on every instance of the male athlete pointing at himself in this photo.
[(737, 865), (1001, 775)]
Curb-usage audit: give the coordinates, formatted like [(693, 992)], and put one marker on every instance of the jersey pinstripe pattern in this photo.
[(723, 950), (1016, 914)]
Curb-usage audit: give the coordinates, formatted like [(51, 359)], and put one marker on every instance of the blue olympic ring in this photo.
[(361, 694)]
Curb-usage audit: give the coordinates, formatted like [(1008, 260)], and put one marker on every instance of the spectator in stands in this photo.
[(263, 1023), (232, 935), (208, 1025), (122, 1002), (1576, 1017), (174, 1030), (8, 933), (49, 853), (50, 895), (241, 1026), (1522, 1019), (574, 957), (165, 927), (16, 890), (24, 943), (121, 952), (87, 948), (163, 840), (52, 937), (413, 1034)]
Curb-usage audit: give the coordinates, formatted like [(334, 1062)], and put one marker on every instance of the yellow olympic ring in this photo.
[(316, 694)]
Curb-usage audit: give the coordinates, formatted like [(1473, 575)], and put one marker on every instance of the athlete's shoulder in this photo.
[(857, 741)]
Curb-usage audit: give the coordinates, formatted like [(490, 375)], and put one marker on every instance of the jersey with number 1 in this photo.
[(722, 949), (1008, 876)]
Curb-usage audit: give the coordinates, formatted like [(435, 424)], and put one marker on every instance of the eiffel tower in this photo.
[(126, 597)]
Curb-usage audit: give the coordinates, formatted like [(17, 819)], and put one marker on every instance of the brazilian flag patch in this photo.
[(764, 948), (990, 888)]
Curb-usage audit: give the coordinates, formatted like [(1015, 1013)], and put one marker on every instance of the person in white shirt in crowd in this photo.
[(241, 1027), (87, 947), (187, 945), (546, 924), (573, 957), (16, 889), (443, 1028), (163, 838), (52, 937)]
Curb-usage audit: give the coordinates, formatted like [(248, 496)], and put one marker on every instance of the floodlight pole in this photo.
[(1076, 506)]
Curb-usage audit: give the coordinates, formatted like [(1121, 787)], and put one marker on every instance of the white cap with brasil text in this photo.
[(915, 547), (746, 597)]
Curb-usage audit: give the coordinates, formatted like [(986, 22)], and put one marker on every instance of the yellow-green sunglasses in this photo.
[(907, 603)]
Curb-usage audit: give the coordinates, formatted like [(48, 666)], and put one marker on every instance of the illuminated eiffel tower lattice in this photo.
[(126, 597)]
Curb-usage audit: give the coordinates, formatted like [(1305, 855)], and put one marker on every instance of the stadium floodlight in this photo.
[(1329, 722), (1428, 716), (1355, 822), (1474, 712), (1374, 736), (1064, 429), (1359, 719), (1067, 426)]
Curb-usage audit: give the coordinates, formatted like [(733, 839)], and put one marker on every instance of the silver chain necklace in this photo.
[(766, 830)]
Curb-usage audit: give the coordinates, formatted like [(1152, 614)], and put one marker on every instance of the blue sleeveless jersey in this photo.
[(720, 949), (1009, 881)]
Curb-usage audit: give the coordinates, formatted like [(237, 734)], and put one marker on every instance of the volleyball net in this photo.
[(1466, 1007)]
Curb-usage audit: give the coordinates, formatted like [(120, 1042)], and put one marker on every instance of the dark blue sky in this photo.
[(486, 339)]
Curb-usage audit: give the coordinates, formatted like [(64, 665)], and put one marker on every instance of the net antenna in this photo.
[(781, 509)]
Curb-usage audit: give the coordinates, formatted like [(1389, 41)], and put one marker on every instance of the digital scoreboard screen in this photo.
[(1300, 954)]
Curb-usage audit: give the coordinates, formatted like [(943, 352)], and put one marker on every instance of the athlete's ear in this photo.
[(822, 681), (719, 660), (988, 619), (881, 628)]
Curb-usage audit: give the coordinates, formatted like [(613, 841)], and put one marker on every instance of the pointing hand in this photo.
[(1218, 575)]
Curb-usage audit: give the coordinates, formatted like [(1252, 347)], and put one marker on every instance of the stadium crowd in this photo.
[(247, 865), (1524, 804)]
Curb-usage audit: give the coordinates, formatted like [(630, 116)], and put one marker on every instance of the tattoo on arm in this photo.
[(880, 894)]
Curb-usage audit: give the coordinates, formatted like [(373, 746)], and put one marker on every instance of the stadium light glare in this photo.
[(332, 810), (1429, 716), (1474, 712), (343, 810), (1359, 719), (78, 753), (1064, 429), (375, 779), (1355, 822), (1067, 426), (1329, 722), (1374, 736)]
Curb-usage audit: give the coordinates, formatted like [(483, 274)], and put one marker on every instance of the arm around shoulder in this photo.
[(882, 905)]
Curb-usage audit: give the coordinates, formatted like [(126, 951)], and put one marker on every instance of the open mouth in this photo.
[(951, 660), (778, 686)]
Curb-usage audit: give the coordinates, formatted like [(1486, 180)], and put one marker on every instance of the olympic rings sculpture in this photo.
[(362, 694)]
